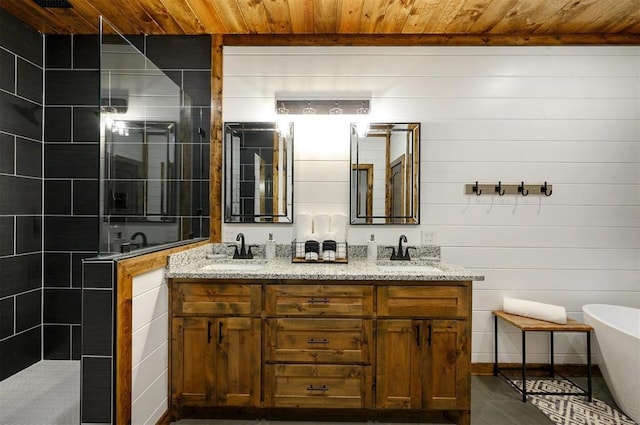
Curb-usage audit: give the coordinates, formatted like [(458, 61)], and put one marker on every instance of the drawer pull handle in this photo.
[(318, 341), (320, 388), (319, 301)]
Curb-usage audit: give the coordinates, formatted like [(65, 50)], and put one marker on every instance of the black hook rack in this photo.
[(522, 190), (508, 188), (544, 189)]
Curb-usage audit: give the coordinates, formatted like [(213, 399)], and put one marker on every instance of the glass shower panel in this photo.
[(151, 193)]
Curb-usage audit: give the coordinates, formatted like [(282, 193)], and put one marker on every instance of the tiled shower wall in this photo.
[(21, 102), (49, 96), (71, 191)]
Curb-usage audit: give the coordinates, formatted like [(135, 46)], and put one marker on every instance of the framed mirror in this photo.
[(258, 171), (385, 174)]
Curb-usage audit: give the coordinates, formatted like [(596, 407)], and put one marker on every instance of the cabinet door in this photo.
[(192, 360), (446, 383), (238, 368), (400, 364)]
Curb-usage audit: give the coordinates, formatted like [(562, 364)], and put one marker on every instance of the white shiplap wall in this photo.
[(150, 351), (566, 115)]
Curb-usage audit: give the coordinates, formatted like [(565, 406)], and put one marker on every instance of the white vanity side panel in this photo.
[(150, 360), (566, 115)]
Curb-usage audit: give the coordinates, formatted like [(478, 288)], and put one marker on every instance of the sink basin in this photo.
[(411, 268), (234, 266)]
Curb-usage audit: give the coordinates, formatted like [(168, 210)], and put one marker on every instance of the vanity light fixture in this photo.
[(336, 110), (309, 110), (322, 106), (282, 110)]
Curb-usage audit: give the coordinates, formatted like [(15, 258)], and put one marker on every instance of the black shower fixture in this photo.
[(53, 3)]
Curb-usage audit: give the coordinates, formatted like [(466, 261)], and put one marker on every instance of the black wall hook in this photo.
[(499, 190), (522, 190), (475, 189), (543, 189)]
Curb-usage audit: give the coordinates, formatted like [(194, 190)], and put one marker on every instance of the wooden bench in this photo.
[(526, 324)]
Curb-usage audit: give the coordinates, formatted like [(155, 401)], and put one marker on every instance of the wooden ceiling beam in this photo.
[(429, 39)]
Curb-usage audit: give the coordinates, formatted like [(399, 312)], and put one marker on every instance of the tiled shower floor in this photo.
[(48, 393)]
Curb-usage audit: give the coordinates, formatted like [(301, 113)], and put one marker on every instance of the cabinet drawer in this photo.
[(318, 386), (217, 299), (319, 300), (318, 340), (423, 301)]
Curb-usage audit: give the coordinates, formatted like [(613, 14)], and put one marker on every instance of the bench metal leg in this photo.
[(524, 367), (495, 346), (552, 365), (589, 386)]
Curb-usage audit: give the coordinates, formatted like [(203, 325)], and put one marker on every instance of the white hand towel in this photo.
[(535, 310), (321, 223), (311, 256), (339, 223), (329, 255), (304, 225)]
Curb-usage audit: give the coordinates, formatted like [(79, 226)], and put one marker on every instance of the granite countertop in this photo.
[(196, 265)]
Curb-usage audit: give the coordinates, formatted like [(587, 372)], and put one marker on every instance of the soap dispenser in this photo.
[(270, 248), (372, 249)]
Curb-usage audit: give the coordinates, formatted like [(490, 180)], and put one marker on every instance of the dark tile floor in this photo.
[(493, 402)]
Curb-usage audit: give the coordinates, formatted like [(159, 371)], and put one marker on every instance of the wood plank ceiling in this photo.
[(429, 21)]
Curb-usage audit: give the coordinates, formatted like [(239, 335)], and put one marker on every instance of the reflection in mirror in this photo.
[(258, 173), (385, 174), (141, 170)]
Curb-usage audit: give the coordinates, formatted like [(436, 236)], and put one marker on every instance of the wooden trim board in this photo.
[(126, 271)]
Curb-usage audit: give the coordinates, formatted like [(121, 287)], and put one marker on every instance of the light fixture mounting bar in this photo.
[(322, 106)]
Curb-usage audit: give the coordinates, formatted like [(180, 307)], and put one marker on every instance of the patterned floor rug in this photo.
[(572, 410)]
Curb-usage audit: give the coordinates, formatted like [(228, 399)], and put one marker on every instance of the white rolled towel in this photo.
[(321, 223), (339, 223), (535, 310), (304, 225)]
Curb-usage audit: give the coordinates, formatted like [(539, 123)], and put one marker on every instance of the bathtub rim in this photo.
[(586, 309)]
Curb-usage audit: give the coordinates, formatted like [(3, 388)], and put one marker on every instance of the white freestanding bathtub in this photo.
[(617, 331)]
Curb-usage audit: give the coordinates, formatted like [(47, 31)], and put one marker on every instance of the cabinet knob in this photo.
[(318, 341), (319, 388)]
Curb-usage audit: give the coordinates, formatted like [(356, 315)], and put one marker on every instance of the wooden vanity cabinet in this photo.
[(370, 346), (215, 345)]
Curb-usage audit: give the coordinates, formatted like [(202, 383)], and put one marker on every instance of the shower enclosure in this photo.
[(153, 186)]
